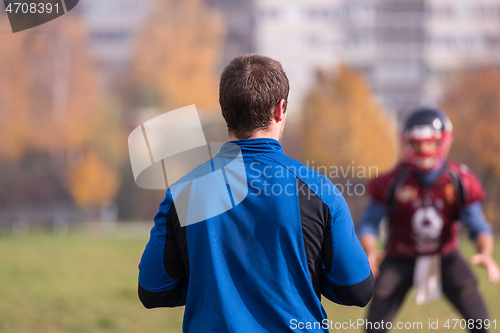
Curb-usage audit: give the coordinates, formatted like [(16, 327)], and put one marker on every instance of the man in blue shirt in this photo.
[(262, 265)]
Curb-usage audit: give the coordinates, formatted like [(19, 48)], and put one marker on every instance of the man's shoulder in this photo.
[(317, 182), (300, 170), (179, 185)]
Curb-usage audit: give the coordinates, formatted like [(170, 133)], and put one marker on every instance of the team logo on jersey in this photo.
[(427, 224), (449, 193), (407, 194)]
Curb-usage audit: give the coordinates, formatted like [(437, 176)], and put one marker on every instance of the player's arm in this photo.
[(347, 278), (484, 256), (368, 232), (162, 275), (480, 232)]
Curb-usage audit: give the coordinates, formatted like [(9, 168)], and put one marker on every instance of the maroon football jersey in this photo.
[(424, 219)]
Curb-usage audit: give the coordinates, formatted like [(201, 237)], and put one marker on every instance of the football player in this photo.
[(424, 198)]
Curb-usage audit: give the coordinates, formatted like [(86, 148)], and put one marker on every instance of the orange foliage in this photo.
[(14, 80), (93, 184), (473, 106), (51, 103), (178, 52), (343, 124), (48, 89)]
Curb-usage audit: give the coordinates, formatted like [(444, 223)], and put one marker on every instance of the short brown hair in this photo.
[(250, 87)]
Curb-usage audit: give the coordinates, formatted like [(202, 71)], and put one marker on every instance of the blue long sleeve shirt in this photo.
[(254, 254)]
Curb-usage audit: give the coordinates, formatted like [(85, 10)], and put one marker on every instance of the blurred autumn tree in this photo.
[(175, 63), (178, 53), (344, 125), (473, 105), (58, 132)]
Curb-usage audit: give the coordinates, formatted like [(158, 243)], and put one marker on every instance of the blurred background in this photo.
[(73, 89)]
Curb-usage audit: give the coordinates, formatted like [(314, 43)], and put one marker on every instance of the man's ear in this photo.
[(279, 111)]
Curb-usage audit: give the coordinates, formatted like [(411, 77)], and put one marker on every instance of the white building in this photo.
[(303, 36), (386, 40), (113, 26), (407, 49), (239, 21), (459, 34)]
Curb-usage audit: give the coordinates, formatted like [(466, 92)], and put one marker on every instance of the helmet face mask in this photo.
[(426, 139)]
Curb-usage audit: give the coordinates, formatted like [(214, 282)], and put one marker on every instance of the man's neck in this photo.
[(258, 135)]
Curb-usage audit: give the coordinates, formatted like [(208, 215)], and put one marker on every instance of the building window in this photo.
[(463, 10), (268, 14), (321, 13), (109, 36)]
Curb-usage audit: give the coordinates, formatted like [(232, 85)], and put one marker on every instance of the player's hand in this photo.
[(489, 263), (375, 258)]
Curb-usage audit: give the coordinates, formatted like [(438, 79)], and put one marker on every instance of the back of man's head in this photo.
[(250, 87)]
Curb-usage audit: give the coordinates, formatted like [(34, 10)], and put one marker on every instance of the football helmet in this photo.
[(426, 124)]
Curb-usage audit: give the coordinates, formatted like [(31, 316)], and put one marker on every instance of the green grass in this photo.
[(83, 282), (440, 310), (87, 282)]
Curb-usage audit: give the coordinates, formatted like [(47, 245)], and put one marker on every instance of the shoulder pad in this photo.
[(472, 189), (380, 188)]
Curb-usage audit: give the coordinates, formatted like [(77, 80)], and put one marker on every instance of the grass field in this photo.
[(87, 281)]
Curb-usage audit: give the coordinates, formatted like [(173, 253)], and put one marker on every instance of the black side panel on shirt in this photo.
[(358, 294), (314, 215), (170, 298), (175, 247), (176, 262), (316, 229)]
